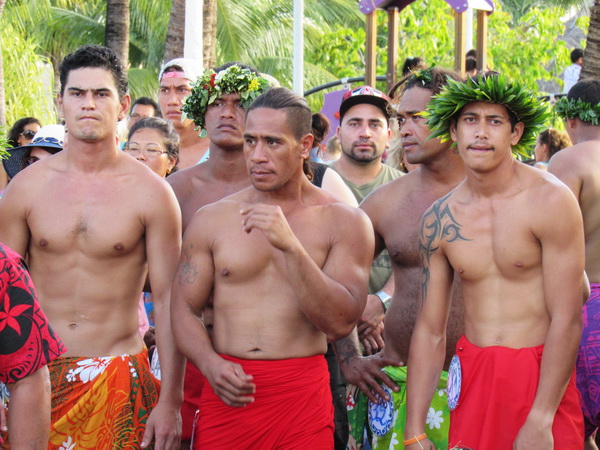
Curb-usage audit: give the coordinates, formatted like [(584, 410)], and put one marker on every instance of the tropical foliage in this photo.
[(37, 34)]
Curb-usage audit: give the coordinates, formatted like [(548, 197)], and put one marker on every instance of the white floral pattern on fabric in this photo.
[(67, 445), (434, 419), (89, 369), (394, 441)]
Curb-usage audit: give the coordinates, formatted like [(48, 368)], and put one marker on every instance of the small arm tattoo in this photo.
[(186, 271)]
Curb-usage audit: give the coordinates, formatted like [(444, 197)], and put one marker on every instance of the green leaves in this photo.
[(211, 85), (444, 107), (569, 108)]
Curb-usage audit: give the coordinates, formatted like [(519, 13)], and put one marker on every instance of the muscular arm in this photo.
[(29, 411), (562, 264), (192, 288), (163, 243), (428, 343), (333, 297), (14, 230)]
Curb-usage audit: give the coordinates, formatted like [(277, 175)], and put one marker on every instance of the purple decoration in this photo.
[(331, 109), (460, 6)]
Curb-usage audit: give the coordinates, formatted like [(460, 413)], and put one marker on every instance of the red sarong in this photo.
[(102, 402), (498, 388), (292, 409)]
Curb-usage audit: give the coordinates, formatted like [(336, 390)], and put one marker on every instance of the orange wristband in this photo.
[(415, 439)]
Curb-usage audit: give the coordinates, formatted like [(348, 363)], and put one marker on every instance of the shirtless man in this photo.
[(578, 167), (175, 79), (223, 174), (93, 222), (514, 236), (395, 210), (279, 264)]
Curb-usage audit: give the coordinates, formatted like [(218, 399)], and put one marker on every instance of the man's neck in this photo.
[(192, 147), (448, 170), (91, 157), (358, 173), (498, 182), (587, 133), (228, 165)]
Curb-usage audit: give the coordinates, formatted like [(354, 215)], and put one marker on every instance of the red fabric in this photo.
[(26, 340), (498, 388), (292, 409), (192, 388)]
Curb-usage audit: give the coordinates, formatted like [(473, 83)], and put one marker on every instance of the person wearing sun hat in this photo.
[(514, 236), (577, 167), (46, 142)]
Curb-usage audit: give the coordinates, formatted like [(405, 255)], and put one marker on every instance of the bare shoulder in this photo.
[(182, 180), (219, 214), (582, 157), (388, 194), (546, 195)]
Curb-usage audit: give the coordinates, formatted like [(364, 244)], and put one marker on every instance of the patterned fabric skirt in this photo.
[(102, 402)]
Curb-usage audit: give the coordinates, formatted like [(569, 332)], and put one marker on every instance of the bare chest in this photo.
[(100, 222), (490, 241), (240, 256)]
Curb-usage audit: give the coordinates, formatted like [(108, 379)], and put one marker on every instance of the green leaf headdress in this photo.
[(569, 108), (211, 85), (445, 106)]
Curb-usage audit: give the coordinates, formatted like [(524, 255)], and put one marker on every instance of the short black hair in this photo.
[(576, 54), (587, 90), (227, 65), (411, 64), (435, 83), (95, 56), (149, 102), (470, 64), (299, 115)]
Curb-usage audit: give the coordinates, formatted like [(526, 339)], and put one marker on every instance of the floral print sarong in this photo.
[(102, 402)]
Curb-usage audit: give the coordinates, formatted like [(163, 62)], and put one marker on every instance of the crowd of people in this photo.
[(300, 300)]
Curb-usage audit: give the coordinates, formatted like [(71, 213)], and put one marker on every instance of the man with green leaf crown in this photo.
[(579, 168), (217, 105), (514, 236)]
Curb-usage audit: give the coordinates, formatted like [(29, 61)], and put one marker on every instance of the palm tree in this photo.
[(176, 31), (117, 28), (591, 60), (209, 33)]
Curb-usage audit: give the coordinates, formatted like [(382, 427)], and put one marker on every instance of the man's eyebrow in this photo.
[(76, 89)]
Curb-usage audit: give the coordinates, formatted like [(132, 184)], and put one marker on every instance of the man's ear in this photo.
[(307, 144), (517, 133), (125, 103), (453, 130)]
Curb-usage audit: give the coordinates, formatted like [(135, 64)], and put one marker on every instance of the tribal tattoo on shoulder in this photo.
[(186, 271), (438, 225)]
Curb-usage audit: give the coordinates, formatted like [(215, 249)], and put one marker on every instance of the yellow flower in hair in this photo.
[(254, 85)]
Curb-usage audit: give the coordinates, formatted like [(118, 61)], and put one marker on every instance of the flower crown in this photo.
[(423, 75), (211, 85), (444, 106), (569, 108)]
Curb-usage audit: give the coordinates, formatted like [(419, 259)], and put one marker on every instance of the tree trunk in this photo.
[(176, 31), (209, 33), (116, 35), (591, 55), (2, 98)]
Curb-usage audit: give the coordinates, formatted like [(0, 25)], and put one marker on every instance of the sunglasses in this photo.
[(28, 134)]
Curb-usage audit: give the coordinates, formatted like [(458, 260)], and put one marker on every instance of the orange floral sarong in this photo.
[(102, 402)]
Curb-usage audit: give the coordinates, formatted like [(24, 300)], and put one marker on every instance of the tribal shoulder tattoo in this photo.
[(437, 226)]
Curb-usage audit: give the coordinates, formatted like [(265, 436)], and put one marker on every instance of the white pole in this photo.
[(469, 33), (192, 47), (298, 83)]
